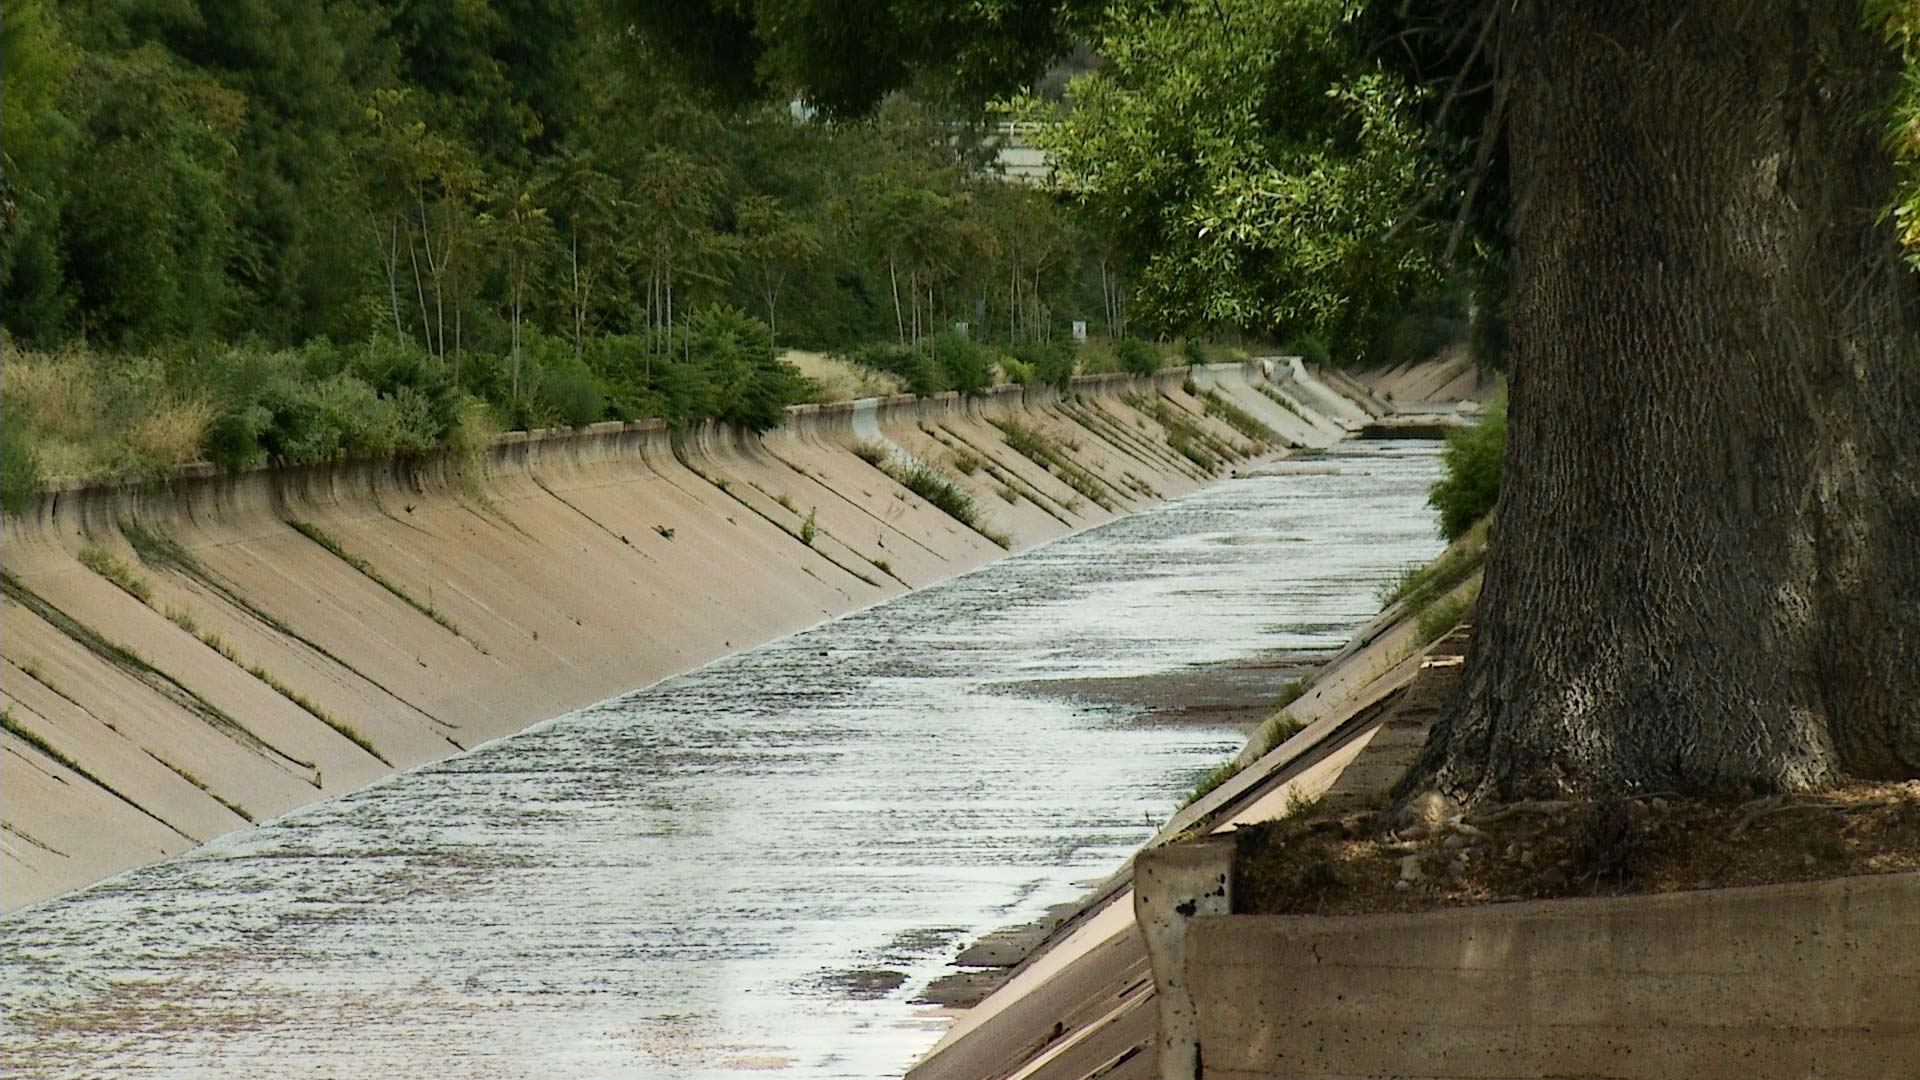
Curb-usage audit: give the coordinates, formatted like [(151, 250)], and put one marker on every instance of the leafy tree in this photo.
[(1703, 574), (590, 205), (519, 233), (146, 225), (1244, 158), (751, 387), (776, 243), (36, 138)]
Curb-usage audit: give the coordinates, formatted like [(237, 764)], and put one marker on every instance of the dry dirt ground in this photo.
[(1314, 863), (1336, 857)]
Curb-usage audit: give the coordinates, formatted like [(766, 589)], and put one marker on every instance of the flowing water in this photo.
[(725, 873)]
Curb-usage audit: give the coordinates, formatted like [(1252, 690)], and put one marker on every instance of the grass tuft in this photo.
[(1039, 448), (1443, 615), (319, 536), (102, 562), (1239, 419)]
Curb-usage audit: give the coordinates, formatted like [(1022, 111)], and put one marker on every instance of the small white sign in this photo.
[(1080, 331)]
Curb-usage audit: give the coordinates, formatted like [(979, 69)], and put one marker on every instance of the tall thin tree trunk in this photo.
[(1013, 278), (1705, 573), (391, 259), (1106, 300), (579, 297), (420, 292), (899, 324)]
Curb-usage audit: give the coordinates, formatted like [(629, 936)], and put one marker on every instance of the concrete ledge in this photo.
[(1812, 979)]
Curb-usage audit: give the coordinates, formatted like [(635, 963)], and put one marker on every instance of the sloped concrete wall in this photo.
[(267, 670), (1784, 981)]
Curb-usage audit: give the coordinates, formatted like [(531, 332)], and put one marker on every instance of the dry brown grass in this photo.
[(170, 434), (56, 389), (839, 380)]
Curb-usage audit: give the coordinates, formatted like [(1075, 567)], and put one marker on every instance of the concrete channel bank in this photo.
[(1154, 976), (184, 660)]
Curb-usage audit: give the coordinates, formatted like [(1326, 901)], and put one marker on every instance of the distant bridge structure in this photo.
[(1019, 160)]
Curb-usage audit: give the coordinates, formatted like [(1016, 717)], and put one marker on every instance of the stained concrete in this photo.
[(468, 606), (1819, 979)]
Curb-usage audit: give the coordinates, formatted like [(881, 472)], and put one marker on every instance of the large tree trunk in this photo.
[(1706, 571)]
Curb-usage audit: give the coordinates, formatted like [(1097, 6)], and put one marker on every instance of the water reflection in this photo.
[(748, 868)]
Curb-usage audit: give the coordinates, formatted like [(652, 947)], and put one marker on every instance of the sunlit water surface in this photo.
[(678, 882)]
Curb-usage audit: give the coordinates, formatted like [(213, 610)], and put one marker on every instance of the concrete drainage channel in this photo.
[(686, 880)]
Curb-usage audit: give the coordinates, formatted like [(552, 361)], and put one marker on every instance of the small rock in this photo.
[(1403, 885), (1465, 829), (1526, 856), (1659, 805), (1807, 859), (1410, 869), (1429, 809), (1454, 843), (1553, 878)]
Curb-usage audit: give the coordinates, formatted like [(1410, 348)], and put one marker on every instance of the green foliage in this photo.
[(102, 562), (967, 364), (1311, 349), (1052, 362), (20, 479), (1136, 357), (1268, 212), (1036, 446), (1415, 330), (1472, 485), (1900, 22), (933, 485), (751, 387)]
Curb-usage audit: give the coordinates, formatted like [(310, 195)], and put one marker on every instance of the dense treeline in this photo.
[(265, 230)]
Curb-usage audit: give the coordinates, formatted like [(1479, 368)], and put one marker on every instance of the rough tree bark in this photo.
[(1706, 571)]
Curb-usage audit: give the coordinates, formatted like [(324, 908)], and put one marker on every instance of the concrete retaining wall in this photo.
[(1801, 980), (583, 564)]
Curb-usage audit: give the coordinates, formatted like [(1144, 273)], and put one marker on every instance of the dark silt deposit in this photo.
[(755, 866)]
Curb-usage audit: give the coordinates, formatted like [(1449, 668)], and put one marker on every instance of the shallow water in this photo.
[(683, 882)]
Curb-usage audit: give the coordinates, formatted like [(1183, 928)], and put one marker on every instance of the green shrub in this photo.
[(1472, 484), (935, 487), (1016, 371), (751, 386), (1052, 362), (573, 395), (967, 365), (1311, 349), (922, 378), (20, 479), (1136, 357)]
